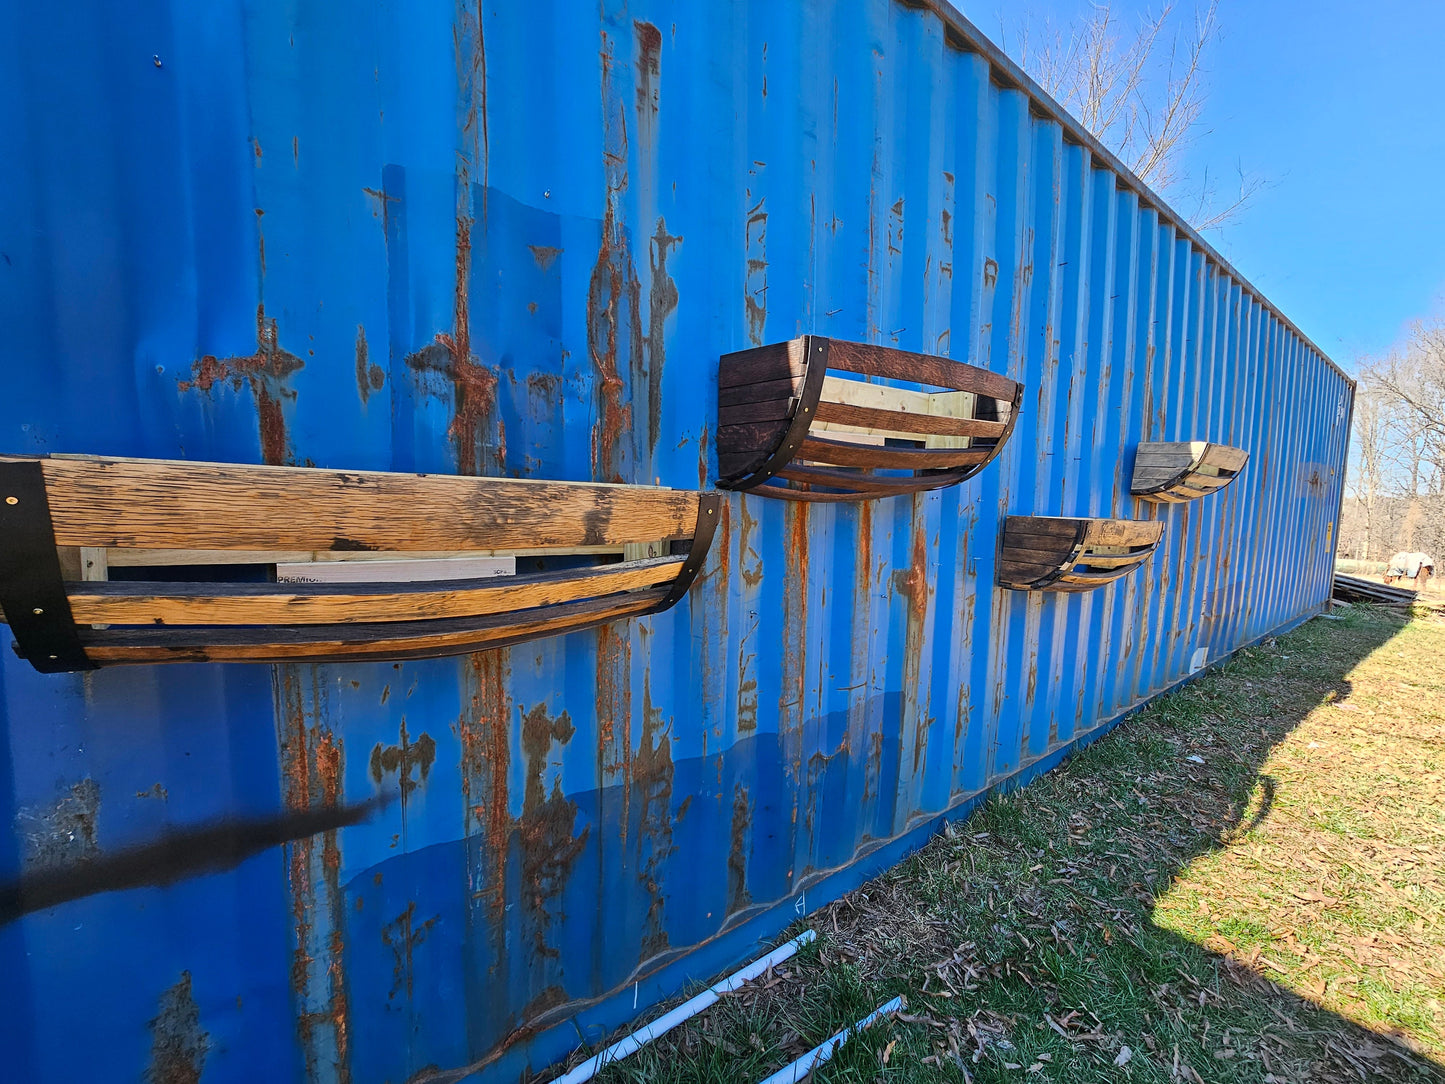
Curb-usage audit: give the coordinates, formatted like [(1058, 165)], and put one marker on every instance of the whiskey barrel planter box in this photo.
[(1170, 472), (187, 528), (789, 427), (1063, 553)]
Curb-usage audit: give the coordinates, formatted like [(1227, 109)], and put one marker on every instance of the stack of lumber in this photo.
[(1353, 589)]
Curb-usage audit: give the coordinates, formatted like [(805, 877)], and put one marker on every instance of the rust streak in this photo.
[(549, 846), (369, 377), (267, 372), (178, 1045)]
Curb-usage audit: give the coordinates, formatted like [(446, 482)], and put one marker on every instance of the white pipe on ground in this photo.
[(791, 1074), (665, 1023)]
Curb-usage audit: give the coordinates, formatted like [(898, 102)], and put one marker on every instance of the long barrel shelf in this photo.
[(381, 566)]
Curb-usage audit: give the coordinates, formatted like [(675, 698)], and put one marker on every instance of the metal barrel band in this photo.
[(32, 585)]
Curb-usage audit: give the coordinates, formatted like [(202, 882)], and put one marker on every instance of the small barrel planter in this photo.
[(1169, 472), (791, 424), (109, 561), (1064, 553)]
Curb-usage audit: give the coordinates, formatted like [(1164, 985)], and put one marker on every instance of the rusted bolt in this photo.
[(12, 500)]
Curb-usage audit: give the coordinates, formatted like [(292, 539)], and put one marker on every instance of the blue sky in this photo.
[(1338, 106)]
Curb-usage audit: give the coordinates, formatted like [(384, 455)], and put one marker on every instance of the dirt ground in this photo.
[(1245, 882)]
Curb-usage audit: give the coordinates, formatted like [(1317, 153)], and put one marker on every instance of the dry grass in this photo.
[(1246, 882)]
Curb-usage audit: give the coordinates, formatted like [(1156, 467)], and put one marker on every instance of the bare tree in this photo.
[(1395, 495), (1140, 90)]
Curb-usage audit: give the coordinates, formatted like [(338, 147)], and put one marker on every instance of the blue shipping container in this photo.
[(513, 240)]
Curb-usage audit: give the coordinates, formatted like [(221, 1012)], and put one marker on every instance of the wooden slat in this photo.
[(1114, 560), (853, 480), (848, 454), (1124, 532), (769, 410), (777, 361), (1060, 526), (134, 503), (947, 404), (1092, 579), (140, 603), (427, 639), (893, 421), (1055, 558), (159, 558), (757, 393), (1224, 457), (941, 372), (814, 497)]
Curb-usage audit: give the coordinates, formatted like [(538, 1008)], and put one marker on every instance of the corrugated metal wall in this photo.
[(514, 240)]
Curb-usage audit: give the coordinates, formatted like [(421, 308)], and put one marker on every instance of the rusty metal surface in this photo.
[(514, 240)]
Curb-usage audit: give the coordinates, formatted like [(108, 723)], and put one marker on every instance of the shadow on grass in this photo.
[(1031, 941)]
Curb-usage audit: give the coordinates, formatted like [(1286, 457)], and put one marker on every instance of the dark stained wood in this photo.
[(809, 496), (1065, 553), (1169, 472), (930, 369), (748, 436), (777, 361), (785, 460), (164, 504), (898, 421), (847, 454), (757, 393), (864, 483), (768, 410)]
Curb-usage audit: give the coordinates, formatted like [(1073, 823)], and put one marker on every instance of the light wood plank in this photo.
[(130, 503), (140, 603), (240, 645)]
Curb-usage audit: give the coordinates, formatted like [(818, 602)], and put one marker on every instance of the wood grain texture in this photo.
[(809, 496), (864, 483), (757, 393), (1055, 553), (765, 410), (140, 603), (1168, 472), (844, 453), (163, 504), (1124, 532), (776, 361), (420, 639), (894, 421), (931, 369)]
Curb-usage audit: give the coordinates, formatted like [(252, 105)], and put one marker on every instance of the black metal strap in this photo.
[(32, 586), (805, 409), (708, 509)]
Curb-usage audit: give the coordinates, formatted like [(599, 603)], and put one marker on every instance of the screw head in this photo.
[(12, 500), (38, 610)]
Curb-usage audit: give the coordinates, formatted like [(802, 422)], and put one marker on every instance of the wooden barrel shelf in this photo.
[(1170, 472), (790, 426), (1063, 553), (379, 566)]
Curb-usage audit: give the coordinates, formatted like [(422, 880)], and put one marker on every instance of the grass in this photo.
[(1245, 882)]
